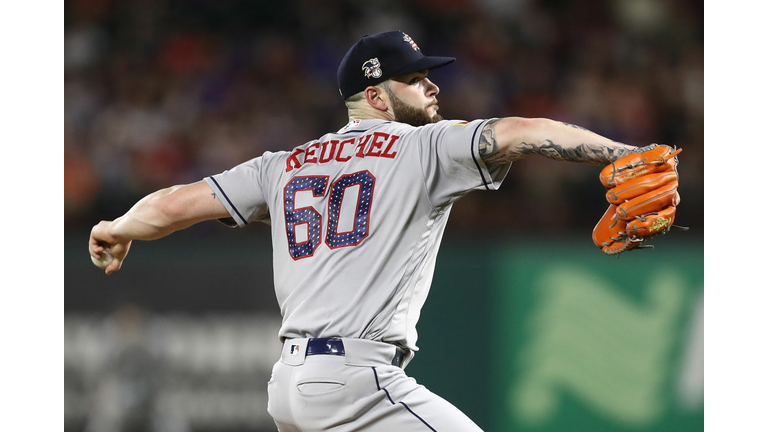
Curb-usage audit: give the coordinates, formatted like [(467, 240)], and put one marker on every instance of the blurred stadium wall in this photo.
[(535, 338), (532, 336)]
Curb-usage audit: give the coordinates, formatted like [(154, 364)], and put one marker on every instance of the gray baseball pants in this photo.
[(358, 391)]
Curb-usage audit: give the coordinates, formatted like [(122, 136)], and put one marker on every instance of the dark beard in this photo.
[(413, 116)]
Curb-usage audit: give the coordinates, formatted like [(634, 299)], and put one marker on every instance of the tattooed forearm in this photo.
[(586, 153), (582, 128), (575, 126), (517, 138)]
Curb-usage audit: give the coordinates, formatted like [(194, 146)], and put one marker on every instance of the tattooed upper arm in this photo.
[(488, 146)]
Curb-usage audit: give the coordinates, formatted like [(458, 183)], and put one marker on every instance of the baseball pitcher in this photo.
[(357, 217)]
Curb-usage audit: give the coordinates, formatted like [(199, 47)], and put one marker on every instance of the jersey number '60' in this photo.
[(314, 221)]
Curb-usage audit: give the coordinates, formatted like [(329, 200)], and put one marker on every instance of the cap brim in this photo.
[(424, 63)]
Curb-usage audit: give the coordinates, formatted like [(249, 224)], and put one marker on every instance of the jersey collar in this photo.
[(361, 125)]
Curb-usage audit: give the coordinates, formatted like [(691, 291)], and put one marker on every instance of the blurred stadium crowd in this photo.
[(162, 92)]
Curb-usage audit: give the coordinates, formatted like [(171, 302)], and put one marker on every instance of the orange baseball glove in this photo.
[(642, 191)]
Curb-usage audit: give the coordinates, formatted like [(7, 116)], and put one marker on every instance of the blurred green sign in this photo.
[(585, 342)]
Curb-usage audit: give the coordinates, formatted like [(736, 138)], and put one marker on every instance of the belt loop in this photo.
[(409, 354)]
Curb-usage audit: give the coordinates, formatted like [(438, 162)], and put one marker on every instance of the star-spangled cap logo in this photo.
[(410, 41), (372, 68)]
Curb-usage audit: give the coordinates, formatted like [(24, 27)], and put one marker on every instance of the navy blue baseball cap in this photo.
[(379, 57)]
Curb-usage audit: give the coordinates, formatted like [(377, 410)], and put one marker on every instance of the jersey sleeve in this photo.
[(451, 162), (244, 191)]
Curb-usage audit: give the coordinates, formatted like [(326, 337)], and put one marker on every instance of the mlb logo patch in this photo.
[(295, 349)]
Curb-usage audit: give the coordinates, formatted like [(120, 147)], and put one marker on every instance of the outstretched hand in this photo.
[(102, 238)]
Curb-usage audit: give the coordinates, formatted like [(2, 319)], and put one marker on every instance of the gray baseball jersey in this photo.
[(357, 217)]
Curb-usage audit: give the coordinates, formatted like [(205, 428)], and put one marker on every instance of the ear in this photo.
[(377, 98)]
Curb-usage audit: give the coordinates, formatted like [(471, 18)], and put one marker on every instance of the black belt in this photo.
[(334, 346)]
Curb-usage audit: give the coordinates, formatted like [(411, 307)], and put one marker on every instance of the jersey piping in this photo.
[(474, 158), (245, 222)]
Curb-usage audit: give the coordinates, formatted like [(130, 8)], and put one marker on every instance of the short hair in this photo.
[(356, 98)]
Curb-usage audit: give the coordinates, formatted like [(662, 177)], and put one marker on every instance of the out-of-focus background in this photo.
[(528, 326)]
